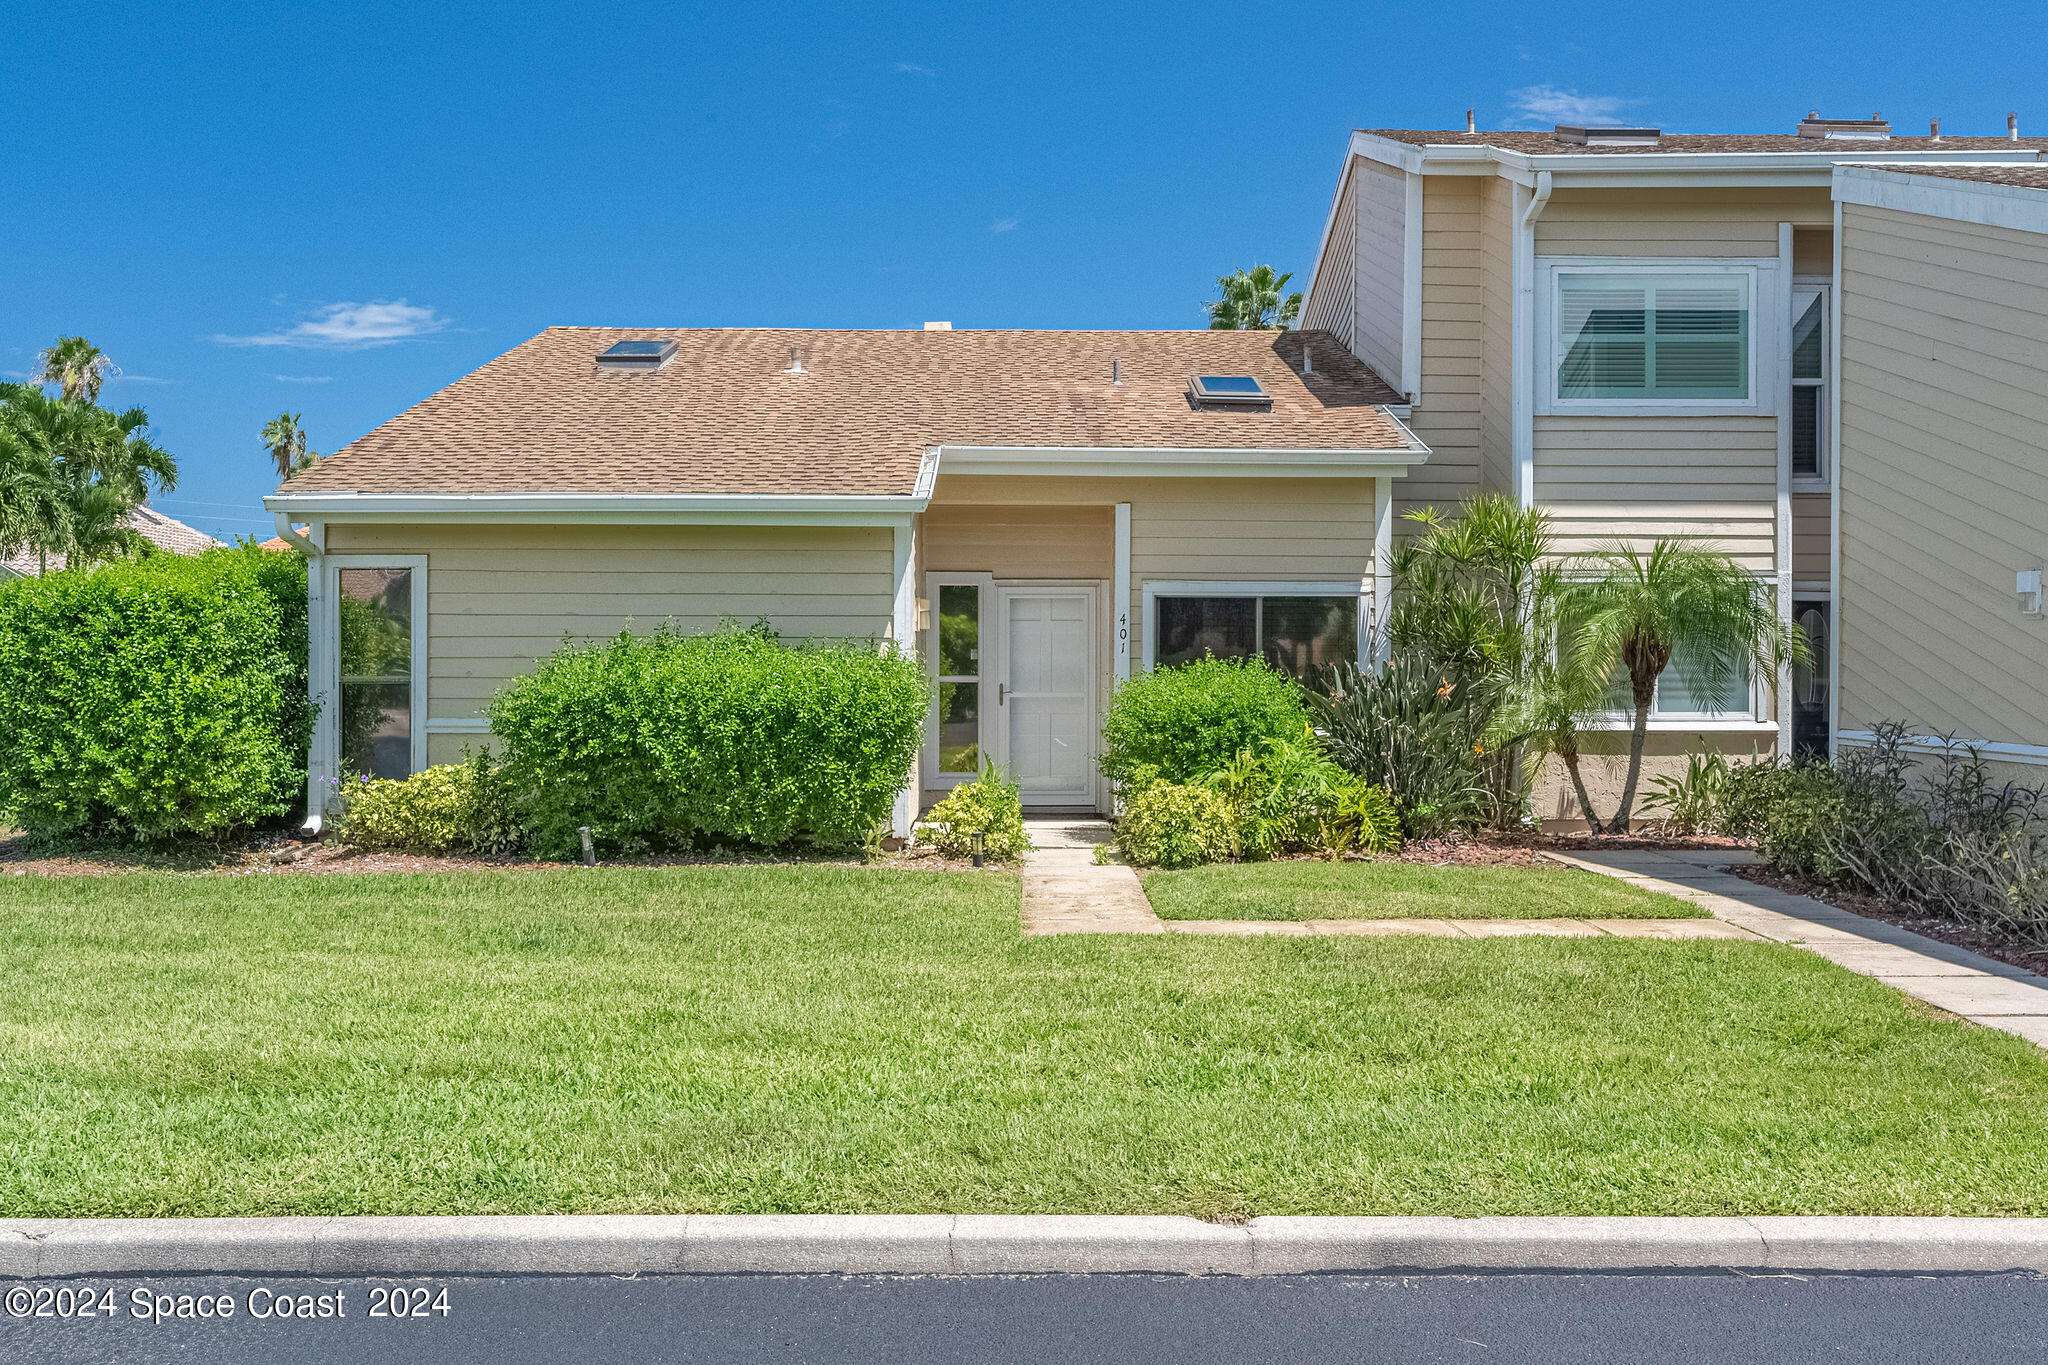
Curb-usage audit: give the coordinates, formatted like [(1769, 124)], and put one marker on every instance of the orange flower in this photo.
[(1443, 693)]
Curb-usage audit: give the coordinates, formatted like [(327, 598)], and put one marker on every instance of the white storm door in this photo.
[(1046, 700)]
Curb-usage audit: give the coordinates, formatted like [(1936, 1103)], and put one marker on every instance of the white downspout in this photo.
[(1524, 418), (319, 668)]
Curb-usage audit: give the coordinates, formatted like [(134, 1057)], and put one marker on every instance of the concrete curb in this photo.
[(931, 1244)]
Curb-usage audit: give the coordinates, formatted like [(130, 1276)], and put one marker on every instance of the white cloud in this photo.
[(1545, 105), (303, 378), (1003, 225), (351, 326), (913, 69)]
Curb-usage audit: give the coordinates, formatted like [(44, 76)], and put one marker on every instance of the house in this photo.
[(1632, 330), (1069, 506), (172, 537), (1941, 473)]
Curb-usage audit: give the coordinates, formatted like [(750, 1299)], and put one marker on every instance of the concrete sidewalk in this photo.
[(1980, 989), (1067, 892), (1004, 1244)]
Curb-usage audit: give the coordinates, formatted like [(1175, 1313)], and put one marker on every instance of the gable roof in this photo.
[(726, 416), (1545, 143), (173, 537)]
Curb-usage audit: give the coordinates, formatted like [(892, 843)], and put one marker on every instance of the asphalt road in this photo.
[(1128, 1319)]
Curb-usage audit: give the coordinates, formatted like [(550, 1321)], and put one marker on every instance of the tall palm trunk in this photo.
[(1568, 751), (1645, 689)]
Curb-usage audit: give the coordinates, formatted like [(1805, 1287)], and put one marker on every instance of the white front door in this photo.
[(1046, 701)]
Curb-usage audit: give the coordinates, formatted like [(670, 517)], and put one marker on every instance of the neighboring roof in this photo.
[(174, 537), (276, 543), (2026, 175), (725, 415), (1543, 143)]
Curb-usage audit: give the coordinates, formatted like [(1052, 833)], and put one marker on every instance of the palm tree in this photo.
[(286, 441), (75, 366), (1679, 602), (33, 513), (100, 464), (1252, 302)]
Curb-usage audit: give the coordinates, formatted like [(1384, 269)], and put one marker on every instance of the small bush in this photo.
[(1690, 802), (1171, 826), (989, 803), (1290, 798), (453, 808), (154, 700), (1406, 729), (678, 741), (1180, 724)]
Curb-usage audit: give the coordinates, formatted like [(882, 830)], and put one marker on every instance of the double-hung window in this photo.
[(1299, 629), (1653, 335), (1808, 415)]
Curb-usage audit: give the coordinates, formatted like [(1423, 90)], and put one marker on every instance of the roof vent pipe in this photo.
[(1470, 126), (1934, 130), (1116, 372), (796, 362), (2012, 127), (1308, 361)]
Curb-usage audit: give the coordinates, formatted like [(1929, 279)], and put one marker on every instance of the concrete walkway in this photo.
[(1980, 989), (1065, 892)]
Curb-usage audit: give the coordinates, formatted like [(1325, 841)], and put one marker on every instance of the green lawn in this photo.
[(1319, 890), (845, 1040)]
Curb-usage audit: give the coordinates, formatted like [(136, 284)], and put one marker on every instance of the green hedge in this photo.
[(678, 741), (1181, 724), (154, 700)]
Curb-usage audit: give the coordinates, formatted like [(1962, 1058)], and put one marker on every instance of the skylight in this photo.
[(1228, 388), (636, 355)]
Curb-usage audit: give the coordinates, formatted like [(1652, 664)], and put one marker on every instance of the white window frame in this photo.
[(1760, 275), (1199, 588), (329, 736), (1822, 286), (989, 660)]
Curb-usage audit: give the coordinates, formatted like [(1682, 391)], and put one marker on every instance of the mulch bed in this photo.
[(2000, 947), (276, 853)]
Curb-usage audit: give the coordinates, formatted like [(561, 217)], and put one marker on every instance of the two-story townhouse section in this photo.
[(1940, 460), (1631, 330)]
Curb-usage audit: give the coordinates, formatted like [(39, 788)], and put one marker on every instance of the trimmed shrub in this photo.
[(1170, 826), (1290, 798), (677, 741), (153, 700), (990, 803), (1181, 724), (452, 808)]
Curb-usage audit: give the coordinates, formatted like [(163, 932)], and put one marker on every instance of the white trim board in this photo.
[(2019, 207), (1995, 750)]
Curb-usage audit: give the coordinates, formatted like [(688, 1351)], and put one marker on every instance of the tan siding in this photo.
[(1639, 478), (1279, 530), (1382, 229), (1455, 286), (501, 598), (1497, 338), (1020, 542), (1676, 222), (1813, 251), (1944, 487), (1332, 305), (1810, 537)]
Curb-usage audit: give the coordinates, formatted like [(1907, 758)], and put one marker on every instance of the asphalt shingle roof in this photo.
[(1544, 143), (2033, 176), (725, 416)]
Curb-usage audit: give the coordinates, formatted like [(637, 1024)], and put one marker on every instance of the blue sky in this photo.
[(337, 210)]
